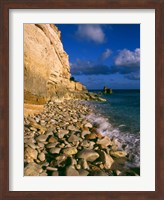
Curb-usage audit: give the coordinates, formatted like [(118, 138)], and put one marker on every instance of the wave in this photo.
[(126, 141)]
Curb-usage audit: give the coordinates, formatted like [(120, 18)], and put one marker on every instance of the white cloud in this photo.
[(106, 54), (92, 32), (128, 58)]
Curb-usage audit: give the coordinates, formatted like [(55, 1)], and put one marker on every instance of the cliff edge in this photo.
[(46, 66)]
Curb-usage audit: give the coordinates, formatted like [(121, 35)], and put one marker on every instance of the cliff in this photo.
[(46, 66)]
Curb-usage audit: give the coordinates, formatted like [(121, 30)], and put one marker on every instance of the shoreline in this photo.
[(62, 141)]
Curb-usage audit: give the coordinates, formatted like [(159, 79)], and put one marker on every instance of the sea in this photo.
[(119, 118)]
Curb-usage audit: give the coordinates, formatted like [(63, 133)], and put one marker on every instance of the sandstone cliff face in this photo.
[(46, 65)]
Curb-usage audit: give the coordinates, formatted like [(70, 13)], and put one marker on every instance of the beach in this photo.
[(67, 139)]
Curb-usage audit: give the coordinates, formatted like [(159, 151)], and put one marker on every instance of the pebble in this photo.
[(71, 171), (89, 155), (55, 150), (83, 172), (104, 142), (70, 150), (41, 138), (51, 169), (66, 143), (32, 169), (118, 154), (41, 156)]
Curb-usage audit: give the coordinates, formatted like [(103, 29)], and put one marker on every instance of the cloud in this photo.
[(127, 58), (91, 32), (127, 63), (106, 54), (133, 76), (81, 67)]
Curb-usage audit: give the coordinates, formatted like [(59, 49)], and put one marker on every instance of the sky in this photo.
[(103, 54)]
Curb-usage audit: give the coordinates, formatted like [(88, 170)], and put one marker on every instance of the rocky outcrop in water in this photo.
[(46, 66)]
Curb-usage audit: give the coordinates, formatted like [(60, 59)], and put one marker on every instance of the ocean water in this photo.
[(119, 118)]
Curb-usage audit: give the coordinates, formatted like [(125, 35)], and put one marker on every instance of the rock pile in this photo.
[(62, 142)]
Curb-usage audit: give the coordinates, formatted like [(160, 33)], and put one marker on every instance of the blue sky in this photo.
[(103, 54)]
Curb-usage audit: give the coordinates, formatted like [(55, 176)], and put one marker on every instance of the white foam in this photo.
[(128, 142)]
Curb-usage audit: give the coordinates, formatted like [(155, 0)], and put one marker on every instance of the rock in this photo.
[(51, 169), (41, 138), (55, 173), (83, 172), (72, 128), (118, 154), (40, 144), (51, 145), (32, 145), (100, 173), (52, 140), (84, 132), (30, 154), (85, 143), (32, 169), (46, 66), (104, 142), (73, 139), (43, 174), (89, 155), (91, 136), (71, 171), (88, 125), (83, 163), (106, 159), (41, 156), (70, 150), (55, 150), (61, 133)]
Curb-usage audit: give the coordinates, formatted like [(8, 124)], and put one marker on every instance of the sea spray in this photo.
[(128, 142)]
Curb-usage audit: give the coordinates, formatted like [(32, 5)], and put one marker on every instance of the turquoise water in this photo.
[(119, 117)]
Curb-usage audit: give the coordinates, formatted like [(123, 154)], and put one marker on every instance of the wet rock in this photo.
[(88, 125), (71, 171), (70, 150), (32, 169), (91, 136), (87, 154), (118, 154), (85, 131), (104, 142), (41, 138)]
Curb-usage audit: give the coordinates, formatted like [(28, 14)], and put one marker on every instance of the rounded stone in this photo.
[(70, 150), (41, 138), (41, 156), (87, 154), (55, 150)]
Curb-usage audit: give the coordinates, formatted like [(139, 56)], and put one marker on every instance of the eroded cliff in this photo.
[(46, 66)]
